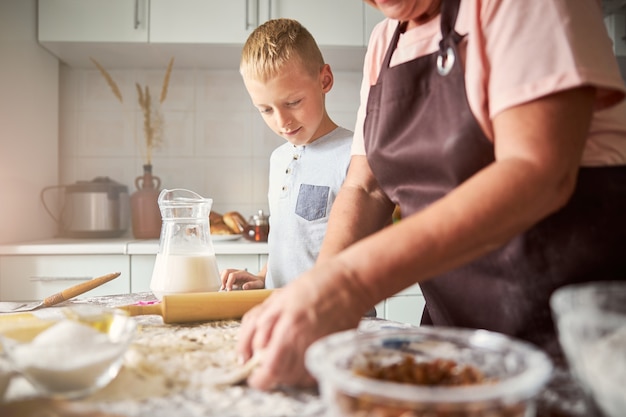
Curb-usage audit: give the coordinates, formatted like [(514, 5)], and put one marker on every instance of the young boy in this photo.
[(287, 79)]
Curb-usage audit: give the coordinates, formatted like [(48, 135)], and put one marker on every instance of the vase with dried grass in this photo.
[(145, 213)]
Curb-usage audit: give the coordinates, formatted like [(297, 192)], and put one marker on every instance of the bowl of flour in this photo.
[(73, 356), (591, 321)]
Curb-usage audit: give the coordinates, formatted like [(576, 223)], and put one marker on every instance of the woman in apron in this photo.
[(500, 132)]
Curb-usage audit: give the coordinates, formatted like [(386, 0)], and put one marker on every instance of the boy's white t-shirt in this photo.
[(303, 184), (517, 51)]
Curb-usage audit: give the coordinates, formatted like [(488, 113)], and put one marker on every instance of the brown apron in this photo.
[(422, 141)]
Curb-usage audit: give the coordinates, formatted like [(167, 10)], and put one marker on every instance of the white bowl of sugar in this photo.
[(73, 356)]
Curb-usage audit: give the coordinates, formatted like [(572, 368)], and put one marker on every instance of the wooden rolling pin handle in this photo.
[(79, 289), (140, 310)]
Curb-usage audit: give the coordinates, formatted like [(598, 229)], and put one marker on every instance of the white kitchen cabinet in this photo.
[(372, 17), (93, 20), (249, 262), (141, 267), (198, 33), (141, 272), (616, 27), (202, 21), (331, 22), (35, 277), (262, 261), (37, 269), (405, 307)]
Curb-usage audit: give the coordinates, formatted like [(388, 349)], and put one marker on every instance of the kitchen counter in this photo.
[(119, 246), (168, 372), (169, 368)]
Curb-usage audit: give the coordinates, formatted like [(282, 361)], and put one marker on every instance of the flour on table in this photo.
[(176, 367)]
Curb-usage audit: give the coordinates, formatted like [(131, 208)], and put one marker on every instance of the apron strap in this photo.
[(446, 57), (394, 43), (449, 12)]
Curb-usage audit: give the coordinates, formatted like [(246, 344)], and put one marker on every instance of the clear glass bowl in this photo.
[(6, 373), (515, 371), (591, 321), (70, 356)]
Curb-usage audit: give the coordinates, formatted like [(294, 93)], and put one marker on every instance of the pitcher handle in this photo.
[(43, 200)]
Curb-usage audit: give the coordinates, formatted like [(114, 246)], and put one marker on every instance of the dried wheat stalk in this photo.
[(146, 107), (152, 120), (108, 79), (166, 80)]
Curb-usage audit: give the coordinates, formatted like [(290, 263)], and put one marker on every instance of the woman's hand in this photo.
[(242, 279), (290, 320)]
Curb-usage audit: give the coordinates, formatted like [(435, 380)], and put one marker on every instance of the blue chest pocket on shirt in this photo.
[(312, 201)]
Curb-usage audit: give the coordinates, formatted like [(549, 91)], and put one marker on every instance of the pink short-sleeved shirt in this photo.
[(517, 51)]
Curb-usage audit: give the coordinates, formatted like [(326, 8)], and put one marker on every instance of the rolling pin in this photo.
[(201, 306)]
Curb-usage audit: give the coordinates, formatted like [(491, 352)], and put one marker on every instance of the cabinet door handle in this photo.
[(247, 22), (269, 10), (258, 11), (254, 24), (57, 279), (137, 21)]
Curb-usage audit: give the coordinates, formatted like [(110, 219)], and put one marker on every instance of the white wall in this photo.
[(214, 143), (28, 124)]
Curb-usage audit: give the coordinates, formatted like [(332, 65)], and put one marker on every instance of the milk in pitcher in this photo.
[(185, 262), (184, 273)]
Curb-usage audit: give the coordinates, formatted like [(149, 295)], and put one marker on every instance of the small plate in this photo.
[(222, 238)]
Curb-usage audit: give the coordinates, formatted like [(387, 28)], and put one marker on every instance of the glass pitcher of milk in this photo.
[(186, 258)]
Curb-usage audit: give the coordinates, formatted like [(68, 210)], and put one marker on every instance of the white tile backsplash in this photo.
[(103, 133), (178, 137), (225, 134), (214, 140)]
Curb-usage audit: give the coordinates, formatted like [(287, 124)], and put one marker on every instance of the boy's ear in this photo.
[(326, 78)]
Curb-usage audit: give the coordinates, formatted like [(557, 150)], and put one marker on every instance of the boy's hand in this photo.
[(240, 279)]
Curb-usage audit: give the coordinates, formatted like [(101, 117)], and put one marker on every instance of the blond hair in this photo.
[(274, 44)]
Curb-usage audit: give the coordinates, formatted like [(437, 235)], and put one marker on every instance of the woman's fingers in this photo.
[(255, 329), (283, 360)]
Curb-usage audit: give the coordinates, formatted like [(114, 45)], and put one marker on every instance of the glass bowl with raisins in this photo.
[(591, 322), (428, 372)]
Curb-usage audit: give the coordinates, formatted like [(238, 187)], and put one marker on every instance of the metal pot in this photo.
[(92, 209)]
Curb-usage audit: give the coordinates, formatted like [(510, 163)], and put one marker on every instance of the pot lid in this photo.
[(97, 185)]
